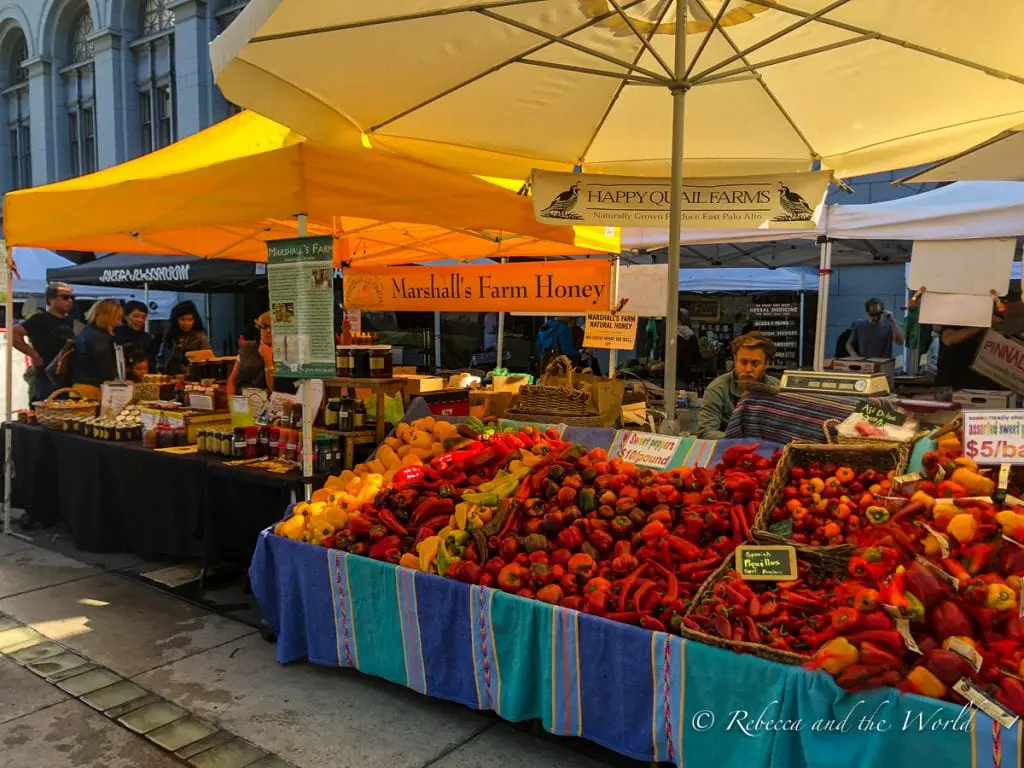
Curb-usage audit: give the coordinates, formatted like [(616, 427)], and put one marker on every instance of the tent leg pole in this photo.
[(8, 389), (800, 354), (678, 89), (145, 299), (615, 303), (437, 340), (824, 278), (307, 411)]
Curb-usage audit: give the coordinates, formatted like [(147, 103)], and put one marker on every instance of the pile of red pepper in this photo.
[(629, 544)]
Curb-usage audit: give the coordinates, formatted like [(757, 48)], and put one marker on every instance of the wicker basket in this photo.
[(835, 559), (542, 399), (737, 646), (584, 420), (832, 437), (52, 413), (882, 457)]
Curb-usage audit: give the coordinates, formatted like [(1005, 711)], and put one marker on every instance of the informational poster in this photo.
[(779, 321), (994, 437), (300, 273), (610, 330), (115, 397), (777, 201), (556, 288), (1001, 359), (646, 449)]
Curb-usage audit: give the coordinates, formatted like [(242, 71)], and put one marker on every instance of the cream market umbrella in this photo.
[(1000, 158), (499, 87)]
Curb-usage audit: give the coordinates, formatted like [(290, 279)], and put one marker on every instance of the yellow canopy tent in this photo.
[(225, 191)]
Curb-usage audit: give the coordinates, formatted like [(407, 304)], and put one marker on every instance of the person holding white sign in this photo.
[(751, 355)]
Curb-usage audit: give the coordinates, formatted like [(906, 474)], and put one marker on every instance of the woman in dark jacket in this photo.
[(95, 359), (186, 334), (255, 365)]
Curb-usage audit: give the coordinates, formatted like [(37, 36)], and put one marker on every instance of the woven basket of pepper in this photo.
[(779, 621), (845, 470)]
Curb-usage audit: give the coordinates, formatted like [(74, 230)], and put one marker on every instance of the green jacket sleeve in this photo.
[(712, 416)]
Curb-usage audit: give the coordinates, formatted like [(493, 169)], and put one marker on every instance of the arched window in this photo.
[(80, 96), (16, 102), (154, 70)]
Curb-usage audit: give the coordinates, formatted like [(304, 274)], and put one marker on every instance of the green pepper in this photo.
[(915, 609), (587, 500), (483, 499), (877, 515), (444, 559)]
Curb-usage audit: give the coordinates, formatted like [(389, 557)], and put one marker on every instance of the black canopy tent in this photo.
[(184, 274)]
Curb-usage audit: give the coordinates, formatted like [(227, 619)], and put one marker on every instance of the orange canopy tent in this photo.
[(225, 191)]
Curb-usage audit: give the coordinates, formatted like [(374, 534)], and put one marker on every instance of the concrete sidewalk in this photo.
[(215, 684)]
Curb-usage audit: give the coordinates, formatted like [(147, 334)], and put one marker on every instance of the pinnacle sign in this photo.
[(779, 201)]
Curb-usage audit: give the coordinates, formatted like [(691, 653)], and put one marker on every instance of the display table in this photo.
[(120, 497), (651, 696), (378, 387)]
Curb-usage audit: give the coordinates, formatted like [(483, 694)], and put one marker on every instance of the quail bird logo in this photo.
[(562, 206), (794, 207)]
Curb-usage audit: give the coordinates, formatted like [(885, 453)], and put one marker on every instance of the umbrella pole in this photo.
[(615, 303), (8, 387), (437, 340), (800, 355), (500, 346), (307, 410), (824, 277), (679, 88)]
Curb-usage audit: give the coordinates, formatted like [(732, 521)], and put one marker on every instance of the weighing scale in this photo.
[(835, 383)]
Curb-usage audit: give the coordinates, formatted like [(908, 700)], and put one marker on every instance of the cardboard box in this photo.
[(985, 399), (886, 366), (508, 383), (404, 370), (418, 384)]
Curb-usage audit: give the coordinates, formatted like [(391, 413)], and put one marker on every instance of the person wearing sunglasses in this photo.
[(42, 337), (255, 365), (874, 337)]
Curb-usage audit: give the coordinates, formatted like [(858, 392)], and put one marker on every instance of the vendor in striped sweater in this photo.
[(751, 354)]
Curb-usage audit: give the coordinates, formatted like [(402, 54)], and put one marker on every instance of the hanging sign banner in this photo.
[(610, 330), (564, 287), (782, 201), (300, 275)]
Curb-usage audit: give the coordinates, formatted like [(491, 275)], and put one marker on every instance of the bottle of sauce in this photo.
[(238, 443), (290, 447)]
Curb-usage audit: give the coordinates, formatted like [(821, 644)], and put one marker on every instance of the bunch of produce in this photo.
[(949, 560), (413, 444)]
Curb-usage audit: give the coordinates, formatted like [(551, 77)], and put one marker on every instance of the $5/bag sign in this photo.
[(994, 437)]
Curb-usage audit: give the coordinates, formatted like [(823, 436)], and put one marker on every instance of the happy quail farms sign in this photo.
[(779, 201)]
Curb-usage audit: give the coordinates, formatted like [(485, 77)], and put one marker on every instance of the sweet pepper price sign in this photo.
[(610, 330), (645, 449), (766, 563), (994, 437)]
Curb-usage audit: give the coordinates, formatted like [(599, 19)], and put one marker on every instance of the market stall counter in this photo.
[(496, 644), (121, 497)]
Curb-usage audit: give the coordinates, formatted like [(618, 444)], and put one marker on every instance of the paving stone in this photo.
[(181, 733), (57, 664), (313, 716), (21, 692), (218, 737), (70, 735), (118, 710), (121, 624), (151, 717), (114, 695), (37, 653), (231, 754), (18, 638), (505, 746), (31, 568), (271, 761), (64, 674), (89, 681)]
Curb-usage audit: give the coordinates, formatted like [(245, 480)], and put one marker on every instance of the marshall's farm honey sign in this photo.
[(565, 287)]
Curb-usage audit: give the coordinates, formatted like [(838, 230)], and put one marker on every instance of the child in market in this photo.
[(139, 365)]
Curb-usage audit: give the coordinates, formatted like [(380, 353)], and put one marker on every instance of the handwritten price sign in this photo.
[(994, 437), (647, 450)]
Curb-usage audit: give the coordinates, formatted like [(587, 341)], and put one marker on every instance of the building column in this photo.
[(41, 120), (110, 112), (191, 66)]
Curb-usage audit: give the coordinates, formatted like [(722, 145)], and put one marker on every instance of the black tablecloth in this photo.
[(120, 497)]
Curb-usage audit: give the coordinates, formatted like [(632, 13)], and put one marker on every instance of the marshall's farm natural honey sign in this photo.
[(565, 287)]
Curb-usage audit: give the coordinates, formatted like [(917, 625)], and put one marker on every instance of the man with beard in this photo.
[(751, 354)]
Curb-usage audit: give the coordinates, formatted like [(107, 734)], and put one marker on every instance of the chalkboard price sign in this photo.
[(766, 563), (881, 414)]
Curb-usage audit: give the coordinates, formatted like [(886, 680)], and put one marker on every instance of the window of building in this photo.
[(16, 103), (80, 97), (154, 76), (225, 16)]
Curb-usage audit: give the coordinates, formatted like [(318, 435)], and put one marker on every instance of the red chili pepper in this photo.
[(672, 584), (387, 517), (709, 562), (431, 508), (684, 548), (408, 475), (651, 623), (753, 634), (889, 638), (805, 604), (722, 626), (646, 588), (953, 568), (626, 617), (437, 523), (845, 619), (628, 583)]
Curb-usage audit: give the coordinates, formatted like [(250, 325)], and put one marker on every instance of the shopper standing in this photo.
[(42, 337), (132, 332), (95, 358), (874, 336), (185, 335), (255, 364)]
